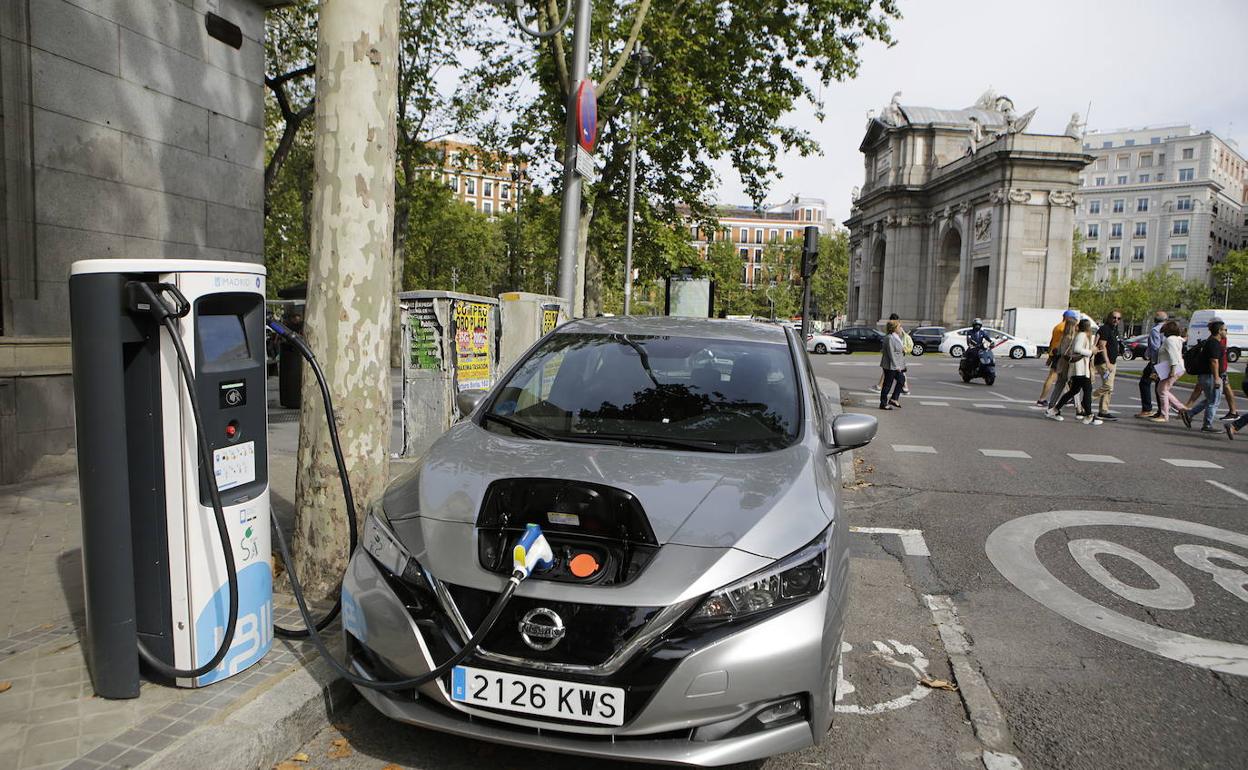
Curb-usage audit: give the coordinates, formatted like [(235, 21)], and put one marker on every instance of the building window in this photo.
[(1130, 143), (745, 236), (1161, 177), (1143, 178), (1106, 145), (758, 235), (758, 256), (488, 189), (1115, 253), (1154, 140), (1102, 164), (1122, 179), (1094, 207), (1118, 206), (1137, 254), (1141, 229), (773, 235), (788, 235), (1146, 160), (487, 207), (1100, 181), (1186, 174), (504, 191), (1180, 227), (1115, 230), (1178, 251), (1141, 204), (470, 186), (745, 254), (1094, 230), (1188, 153), (1124, 161), (455, 183), (1089, 250)]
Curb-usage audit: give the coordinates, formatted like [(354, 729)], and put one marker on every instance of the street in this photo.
[(1065, 633)]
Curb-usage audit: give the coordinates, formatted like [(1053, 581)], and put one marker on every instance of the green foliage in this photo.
[(1137, 298), (1082, 262), (1235, 267), (830, 285)]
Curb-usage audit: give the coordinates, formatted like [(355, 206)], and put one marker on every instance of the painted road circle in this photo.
[(1012, 550)]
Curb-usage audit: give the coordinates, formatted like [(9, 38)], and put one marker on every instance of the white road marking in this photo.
[(1093, 458), (917, 666), (1016, 453), (1225, 488), (912, 541), (934, 403), (1191, 463), (1030, 379), (989, 406), (926, 450), (986, 715), (996, 760)]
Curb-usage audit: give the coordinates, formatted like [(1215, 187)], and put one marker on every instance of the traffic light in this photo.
[(810, 252)]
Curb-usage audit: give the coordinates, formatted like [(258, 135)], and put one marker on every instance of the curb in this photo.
[(266, 729), (845, 460)]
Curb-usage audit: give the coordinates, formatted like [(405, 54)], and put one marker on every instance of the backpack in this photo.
[(1193, 357), (907, 344)]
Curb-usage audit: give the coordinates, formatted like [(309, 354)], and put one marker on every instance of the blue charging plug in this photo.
[(531, 552)]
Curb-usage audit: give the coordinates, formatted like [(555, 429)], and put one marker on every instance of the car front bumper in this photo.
[(700, 712)]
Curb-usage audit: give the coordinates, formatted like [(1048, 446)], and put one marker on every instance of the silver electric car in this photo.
[(683, 473)]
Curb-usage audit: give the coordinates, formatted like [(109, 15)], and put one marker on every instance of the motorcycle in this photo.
[(978, 363)]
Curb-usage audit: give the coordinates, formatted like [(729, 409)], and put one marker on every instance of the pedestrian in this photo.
[(1106, 363), (1080, 375), (1208, 368), (1227, 391), (908, 345), (1070, 331), (1147, 382), (1235, 427), (893, 362), (1168, 371), (1069, 318)]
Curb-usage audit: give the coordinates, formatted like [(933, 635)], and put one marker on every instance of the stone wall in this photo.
[(128, 132)]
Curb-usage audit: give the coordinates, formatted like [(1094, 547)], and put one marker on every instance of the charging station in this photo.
[(154, 564)]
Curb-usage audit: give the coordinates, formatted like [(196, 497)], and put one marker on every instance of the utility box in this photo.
[(525, 318), (450, 345), (689, 297)]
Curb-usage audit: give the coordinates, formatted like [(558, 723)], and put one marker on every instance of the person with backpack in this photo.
[(1061, 366), (1170, 367), (1205, 360)]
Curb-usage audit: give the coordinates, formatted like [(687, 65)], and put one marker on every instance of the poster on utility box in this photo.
[(472, 345)]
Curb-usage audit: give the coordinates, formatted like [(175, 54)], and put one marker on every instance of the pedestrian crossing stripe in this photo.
[(1093, 458), (1181, 463)]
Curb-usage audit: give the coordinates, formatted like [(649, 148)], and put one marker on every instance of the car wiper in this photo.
[(664, 441), (516, 426)]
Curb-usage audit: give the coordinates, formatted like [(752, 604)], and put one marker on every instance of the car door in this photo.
[(872, 340), (851, 339)]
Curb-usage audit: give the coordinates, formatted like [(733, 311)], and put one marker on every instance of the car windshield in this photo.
[(657, 391)]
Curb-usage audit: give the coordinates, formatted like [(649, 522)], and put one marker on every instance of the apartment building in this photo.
[(481, 179), (1162, 196), (750, 230)]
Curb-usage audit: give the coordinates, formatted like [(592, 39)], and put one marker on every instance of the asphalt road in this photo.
[(1154, 673)]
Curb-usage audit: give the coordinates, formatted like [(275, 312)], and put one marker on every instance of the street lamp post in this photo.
[(1226, 294), (516, 257), (570, 215), (643, 60)]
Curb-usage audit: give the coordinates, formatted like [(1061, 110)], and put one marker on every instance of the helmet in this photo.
[(977, 323)]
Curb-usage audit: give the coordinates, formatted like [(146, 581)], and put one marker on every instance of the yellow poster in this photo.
[(550, 318), (472, 345)]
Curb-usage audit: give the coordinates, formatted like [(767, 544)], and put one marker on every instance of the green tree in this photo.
[(1234, 266), (1082, 262), (830, 285)]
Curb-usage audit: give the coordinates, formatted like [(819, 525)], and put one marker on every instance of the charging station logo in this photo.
[(253, 635), (248, 545)]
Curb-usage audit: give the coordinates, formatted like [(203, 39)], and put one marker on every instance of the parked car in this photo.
[(861, 338), (825, 343), (696, 530), (926, 338), (954, 343), (1134, 347)]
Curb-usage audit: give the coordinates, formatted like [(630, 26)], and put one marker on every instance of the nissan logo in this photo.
[(541, 628)]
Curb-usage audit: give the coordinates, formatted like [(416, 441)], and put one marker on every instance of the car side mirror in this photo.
[(468, 400), (850, 431)]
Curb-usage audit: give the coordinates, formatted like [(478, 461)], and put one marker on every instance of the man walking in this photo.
[(1147, 385), (1209, 371), (1055, 340), (1106, 361)]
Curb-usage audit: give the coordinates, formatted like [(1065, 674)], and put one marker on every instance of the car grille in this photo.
[(593, 632)]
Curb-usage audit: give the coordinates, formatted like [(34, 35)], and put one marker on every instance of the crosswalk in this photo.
[(1019, 454)]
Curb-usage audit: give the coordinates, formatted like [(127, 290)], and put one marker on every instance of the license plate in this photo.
[(535, 695)]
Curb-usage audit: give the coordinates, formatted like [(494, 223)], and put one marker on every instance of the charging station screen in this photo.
[(222, 338)]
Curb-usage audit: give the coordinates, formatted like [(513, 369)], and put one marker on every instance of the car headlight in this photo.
[(791, 580)]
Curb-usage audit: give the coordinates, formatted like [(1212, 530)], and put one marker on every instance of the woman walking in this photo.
[(1080, 358), (893, 362), (1169, 369)]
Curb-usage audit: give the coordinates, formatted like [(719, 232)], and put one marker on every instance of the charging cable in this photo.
[(150, 299), (531, 552)]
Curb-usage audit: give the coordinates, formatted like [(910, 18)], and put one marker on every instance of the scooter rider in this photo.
[(976, 337)]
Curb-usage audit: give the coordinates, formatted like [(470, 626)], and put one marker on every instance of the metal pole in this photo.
[(632, 182), (570, 216)]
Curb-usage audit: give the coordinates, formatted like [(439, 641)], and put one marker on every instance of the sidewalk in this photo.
[(49, 714)]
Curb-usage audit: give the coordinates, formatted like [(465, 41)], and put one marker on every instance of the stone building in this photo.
[(750, 229), (961, 214), (1162, 196), (128, 128)]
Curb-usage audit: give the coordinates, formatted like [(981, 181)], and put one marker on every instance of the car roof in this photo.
[(671, 326)]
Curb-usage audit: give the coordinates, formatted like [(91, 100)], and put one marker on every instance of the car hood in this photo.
[(764, 504)]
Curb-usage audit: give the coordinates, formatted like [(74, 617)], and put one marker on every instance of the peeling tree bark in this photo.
[(350, 277)]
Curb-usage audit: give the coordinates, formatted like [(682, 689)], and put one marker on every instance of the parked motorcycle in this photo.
[(979, 363)]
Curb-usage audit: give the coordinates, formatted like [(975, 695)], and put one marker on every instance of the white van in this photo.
[(1236, 330)]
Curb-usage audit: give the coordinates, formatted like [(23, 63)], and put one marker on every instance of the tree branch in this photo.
[(633, 34), (548, 15)]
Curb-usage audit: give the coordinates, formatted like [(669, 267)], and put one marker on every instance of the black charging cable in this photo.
[(300, 344), (150, 299), (313, 626)]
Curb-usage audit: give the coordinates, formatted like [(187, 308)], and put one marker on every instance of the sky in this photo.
[(1139, 63)]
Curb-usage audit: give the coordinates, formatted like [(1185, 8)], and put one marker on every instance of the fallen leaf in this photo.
[(300, 757), (5, 686), (338, 749), (391, 767), (287, 765), (938, 684)]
